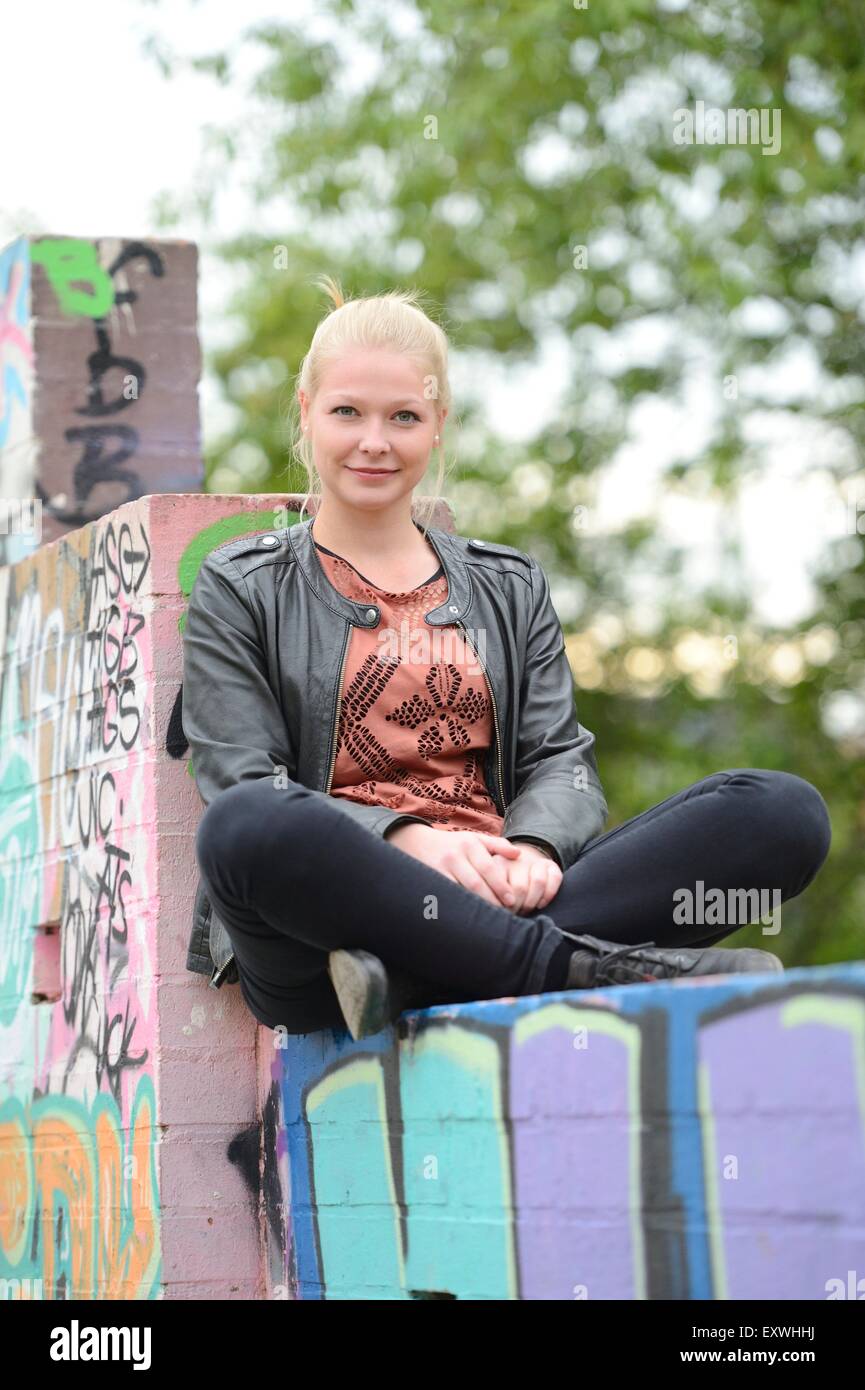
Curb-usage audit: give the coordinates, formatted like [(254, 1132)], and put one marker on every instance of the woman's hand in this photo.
[(517, 876), (534, 878), (480, 862)]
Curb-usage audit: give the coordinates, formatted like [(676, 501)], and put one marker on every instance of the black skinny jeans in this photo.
[(293, 877)]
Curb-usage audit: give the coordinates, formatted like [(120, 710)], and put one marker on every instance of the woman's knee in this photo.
[(236, 821), (797, 814)]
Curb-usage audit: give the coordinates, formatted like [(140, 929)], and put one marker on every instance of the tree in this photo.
[(522, 164)]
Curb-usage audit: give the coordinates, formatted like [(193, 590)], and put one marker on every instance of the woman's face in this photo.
[(370, 412)]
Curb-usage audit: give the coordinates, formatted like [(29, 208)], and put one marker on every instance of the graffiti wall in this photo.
[(17, 444), (127, 1088), (697, 1140), (99, 369), (77, 1016)]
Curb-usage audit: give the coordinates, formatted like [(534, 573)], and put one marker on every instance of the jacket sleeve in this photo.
[(560, 802), (231, 717)]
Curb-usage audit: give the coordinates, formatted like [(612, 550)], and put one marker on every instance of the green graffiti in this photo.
[(228, 528), (71, 264)]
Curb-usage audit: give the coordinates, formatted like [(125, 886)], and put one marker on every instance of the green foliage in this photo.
[(430, 173)]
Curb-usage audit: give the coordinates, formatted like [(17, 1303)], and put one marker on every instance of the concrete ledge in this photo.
[(689, 1140)]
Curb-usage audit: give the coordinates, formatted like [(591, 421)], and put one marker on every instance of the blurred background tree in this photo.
[(517, 162)]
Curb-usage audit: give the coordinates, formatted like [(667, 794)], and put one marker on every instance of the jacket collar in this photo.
[(455, 605)]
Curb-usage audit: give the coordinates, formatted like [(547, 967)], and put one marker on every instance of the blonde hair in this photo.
[(394, 321)]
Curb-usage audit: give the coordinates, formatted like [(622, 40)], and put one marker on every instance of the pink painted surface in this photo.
[(128, 1106)]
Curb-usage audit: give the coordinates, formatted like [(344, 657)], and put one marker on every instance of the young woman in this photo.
[(402, 807)]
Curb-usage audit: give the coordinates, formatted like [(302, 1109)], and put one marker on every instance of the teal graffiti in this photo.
[(19, 880)]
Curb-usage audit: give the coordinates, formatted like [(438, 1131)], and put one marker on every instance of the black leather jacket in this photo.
[(264, 647)]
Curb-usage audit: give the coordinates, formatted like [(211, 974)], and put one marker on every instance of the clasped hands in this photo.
[(517, 876)]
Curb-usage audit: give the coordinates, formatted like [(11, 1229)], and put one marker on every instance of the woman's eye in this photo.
[(412, 413)]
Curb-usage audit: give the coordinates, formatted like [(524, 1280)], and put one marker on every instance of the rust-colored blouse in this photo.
[(415, 712)]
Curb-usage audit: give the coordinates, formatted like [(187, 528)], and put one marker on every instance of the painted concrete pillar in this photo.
[(99, 368), (129, 1134)]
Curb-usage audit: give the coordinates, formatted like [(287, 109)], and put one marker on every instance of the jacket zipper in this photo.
[(500, 765), (336, 708)]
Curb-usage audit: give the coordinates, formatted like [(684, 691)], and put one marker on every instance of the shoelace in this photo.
[(624, 951)]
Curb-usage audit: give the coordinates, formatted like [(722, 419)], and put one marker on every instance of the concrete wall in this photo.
[(127, 1088)]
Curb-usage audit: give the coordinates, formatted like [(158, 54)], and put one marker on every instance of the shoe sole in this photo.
[(360, 983), (748, 958)]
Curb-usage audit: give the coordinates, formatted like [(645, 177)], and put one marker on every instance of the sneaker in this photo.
[(597, 962), (370, 996)]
